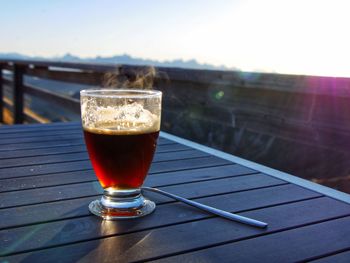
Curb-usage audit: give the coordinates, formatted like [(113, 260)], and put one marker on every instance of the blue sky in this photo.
[(299, 36)]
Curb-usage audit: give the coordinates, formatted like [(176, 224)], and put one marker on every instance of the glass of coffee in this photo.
[(121, 129)]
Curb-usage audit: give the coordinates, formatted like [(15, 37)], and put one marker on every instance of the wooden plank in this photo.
[(32, 117), (295, 245), (81, 77), (65, 101), (40, 160), (52, 141), (33, 134), (42, 144), (18, 93), (76, 134), (199, 174), (202, 188), (20, 128), (76, 148), (173, 239), (14, 131), (68, 208), (343, 257), (161, 167), (5, 65), (42, 151), (81, 156)]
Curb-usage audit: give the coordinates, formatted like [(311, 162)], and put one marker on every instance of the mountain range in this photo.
[(121, 59)]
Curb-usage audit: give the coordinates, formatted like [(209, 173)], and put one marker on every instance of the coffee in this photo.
[(120, 159)]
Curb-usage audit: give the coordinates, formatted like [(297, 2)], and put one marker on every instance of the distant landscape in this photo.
[(121, 59)]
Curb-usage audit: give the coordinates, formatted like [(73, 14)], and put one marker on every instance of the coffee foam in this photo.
[(126, 119)]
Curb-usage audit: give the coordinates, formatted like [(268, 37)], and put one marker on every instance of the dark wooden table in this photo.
[(46, 184)]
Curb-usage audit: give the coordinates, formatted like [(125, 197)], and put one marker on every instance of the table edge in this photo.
[(330, 192)]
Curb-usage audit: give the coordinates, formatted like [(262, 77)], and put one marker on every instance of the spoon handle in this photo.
[(227, 215)]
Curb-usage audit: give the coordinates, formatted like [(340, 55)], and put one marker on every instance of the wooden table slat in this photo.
[(54, 141), (41, 145), (44, 138), (82, 156), (20, 128), (19, 131), (73, 149), (202, 188), (168, 178), (159, 167), (75, 134), (13, 136), (342, 257)]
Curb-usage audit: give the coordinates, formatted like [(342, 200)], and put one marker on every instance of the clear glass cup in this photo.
[(121, 129)]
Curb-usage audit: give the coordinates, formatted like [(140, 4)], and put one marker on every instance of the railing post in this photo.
[(1, 96), (18, 93)]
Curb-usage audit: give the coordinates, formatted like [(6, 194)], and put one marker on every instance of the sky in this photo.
[(283, 36)]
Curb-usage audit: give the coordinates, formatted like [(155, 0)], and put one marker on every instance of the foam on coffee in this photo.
[(119, 120)]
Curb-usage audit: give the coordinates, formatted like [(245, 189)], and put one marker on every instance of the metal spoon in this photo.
[(227, 215)]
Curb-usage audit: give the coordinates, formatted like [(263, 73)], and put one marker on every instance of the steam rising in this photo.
[(130, 78)]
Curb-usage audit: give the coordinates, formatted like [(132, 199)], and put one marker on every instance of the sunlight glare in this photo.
[(298, 37)]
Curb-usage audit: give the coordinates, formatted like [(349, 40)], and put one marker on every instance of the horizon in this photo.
[(293, 37), (206, 66), (66, 56)]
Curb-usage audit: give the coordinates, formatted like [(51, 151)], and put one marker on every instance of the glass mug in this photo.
[(121, 129)]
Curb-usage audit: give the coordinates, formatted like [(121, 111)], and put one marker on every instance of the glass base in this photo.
[(121, 204)]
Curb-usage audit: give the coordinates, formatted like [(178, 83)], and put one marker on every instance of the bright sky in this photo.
[(284, 36)]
